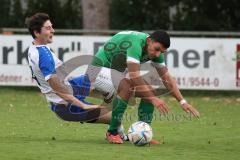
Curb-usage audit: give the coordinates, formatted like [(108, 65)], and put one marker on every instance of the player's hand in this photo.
[(89, 107), (160, 105), (190, 109)]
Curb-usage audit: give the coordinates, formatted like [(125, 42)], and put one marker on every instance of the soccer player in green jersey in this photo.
[(124, 52)]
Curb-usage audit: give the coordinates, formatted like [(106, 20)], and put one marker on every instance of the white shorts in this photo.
[(104, 79), (107, 80)]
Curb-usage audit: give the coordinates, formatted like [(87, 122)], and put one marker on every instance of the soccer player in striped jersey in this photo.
[(66, 97)]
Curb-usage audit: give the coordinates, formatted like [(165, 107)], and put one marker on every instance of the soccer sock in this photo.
[(145, 111), (119, 106)]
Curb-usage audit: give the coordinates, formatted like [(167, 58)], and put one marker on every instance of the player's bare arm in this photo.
[(143, 89), (171, 85), (65, 92)]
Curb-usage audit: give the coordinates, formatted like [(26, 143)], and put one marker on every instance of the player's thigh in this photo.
[(73, 114)]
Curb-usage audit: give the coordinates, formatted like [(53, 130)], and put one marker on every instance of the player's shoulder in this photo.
[(133, 34), (37, 51), (43, 49), (134, 37)]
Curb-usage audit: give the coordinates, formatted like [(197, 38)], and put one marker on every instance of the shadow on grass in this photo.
[(190, 93), (19, 88), (57, 140), (200, 93)]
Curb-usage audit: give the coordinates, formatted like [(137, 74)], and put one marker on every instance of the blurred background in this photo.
[(172, 15), (204, 58), (203, 34)]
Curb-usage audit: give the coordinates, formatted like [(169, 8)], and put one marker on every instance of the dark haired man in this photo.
[(124, 52), (67, 98)]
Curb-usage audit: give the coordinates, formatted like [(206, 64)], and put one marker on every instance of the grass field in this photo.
[(29, 130)]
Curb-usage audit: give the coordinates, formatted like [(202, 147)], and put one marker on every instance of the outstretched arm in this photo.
[(171, 85), (143, 89), (65, 93)]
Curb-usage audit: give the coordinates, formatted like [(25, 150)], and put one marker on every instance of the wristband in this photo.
[(183, 101)]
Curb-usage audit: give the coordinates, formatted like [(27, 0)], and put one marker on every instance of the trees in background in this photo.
[(139, 14), (214, 15), (5, 13), (198, 15), (95, 14), (52, 7), (64, 13), (16, 10), (71, 15)]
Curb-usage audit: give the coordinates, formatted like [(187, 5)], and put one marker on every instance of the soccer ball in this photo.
[(140, 133)]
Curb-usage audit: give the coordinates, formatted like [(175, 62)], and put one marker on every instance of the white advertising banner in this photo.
[(204, 63), (196, 63)]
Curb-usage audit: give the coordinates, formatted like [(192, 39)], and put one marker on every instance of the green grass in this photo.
[(29, 130)]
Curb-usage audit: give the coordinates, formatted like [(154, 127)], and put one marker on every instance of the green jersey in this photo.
[(122, 47)]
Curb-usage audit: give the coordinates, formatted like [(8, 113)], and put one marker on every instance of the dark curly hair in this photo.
[(35, 22), (161, 37)]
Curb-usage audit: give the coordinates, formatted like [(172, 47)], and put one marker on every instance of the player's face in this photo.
[(154, 49), (46, 34)]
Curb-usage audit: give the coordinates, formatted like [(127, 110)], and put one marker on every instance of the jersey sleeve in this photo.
[(46, 62), (159, 61)]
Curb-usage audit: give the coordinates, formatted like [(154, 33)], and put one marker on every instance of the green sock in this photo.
[(119, 107), (145, 111)]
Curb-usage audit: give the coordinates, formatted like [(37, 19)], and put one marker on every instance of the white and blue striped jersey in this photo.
[(43, 63)]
